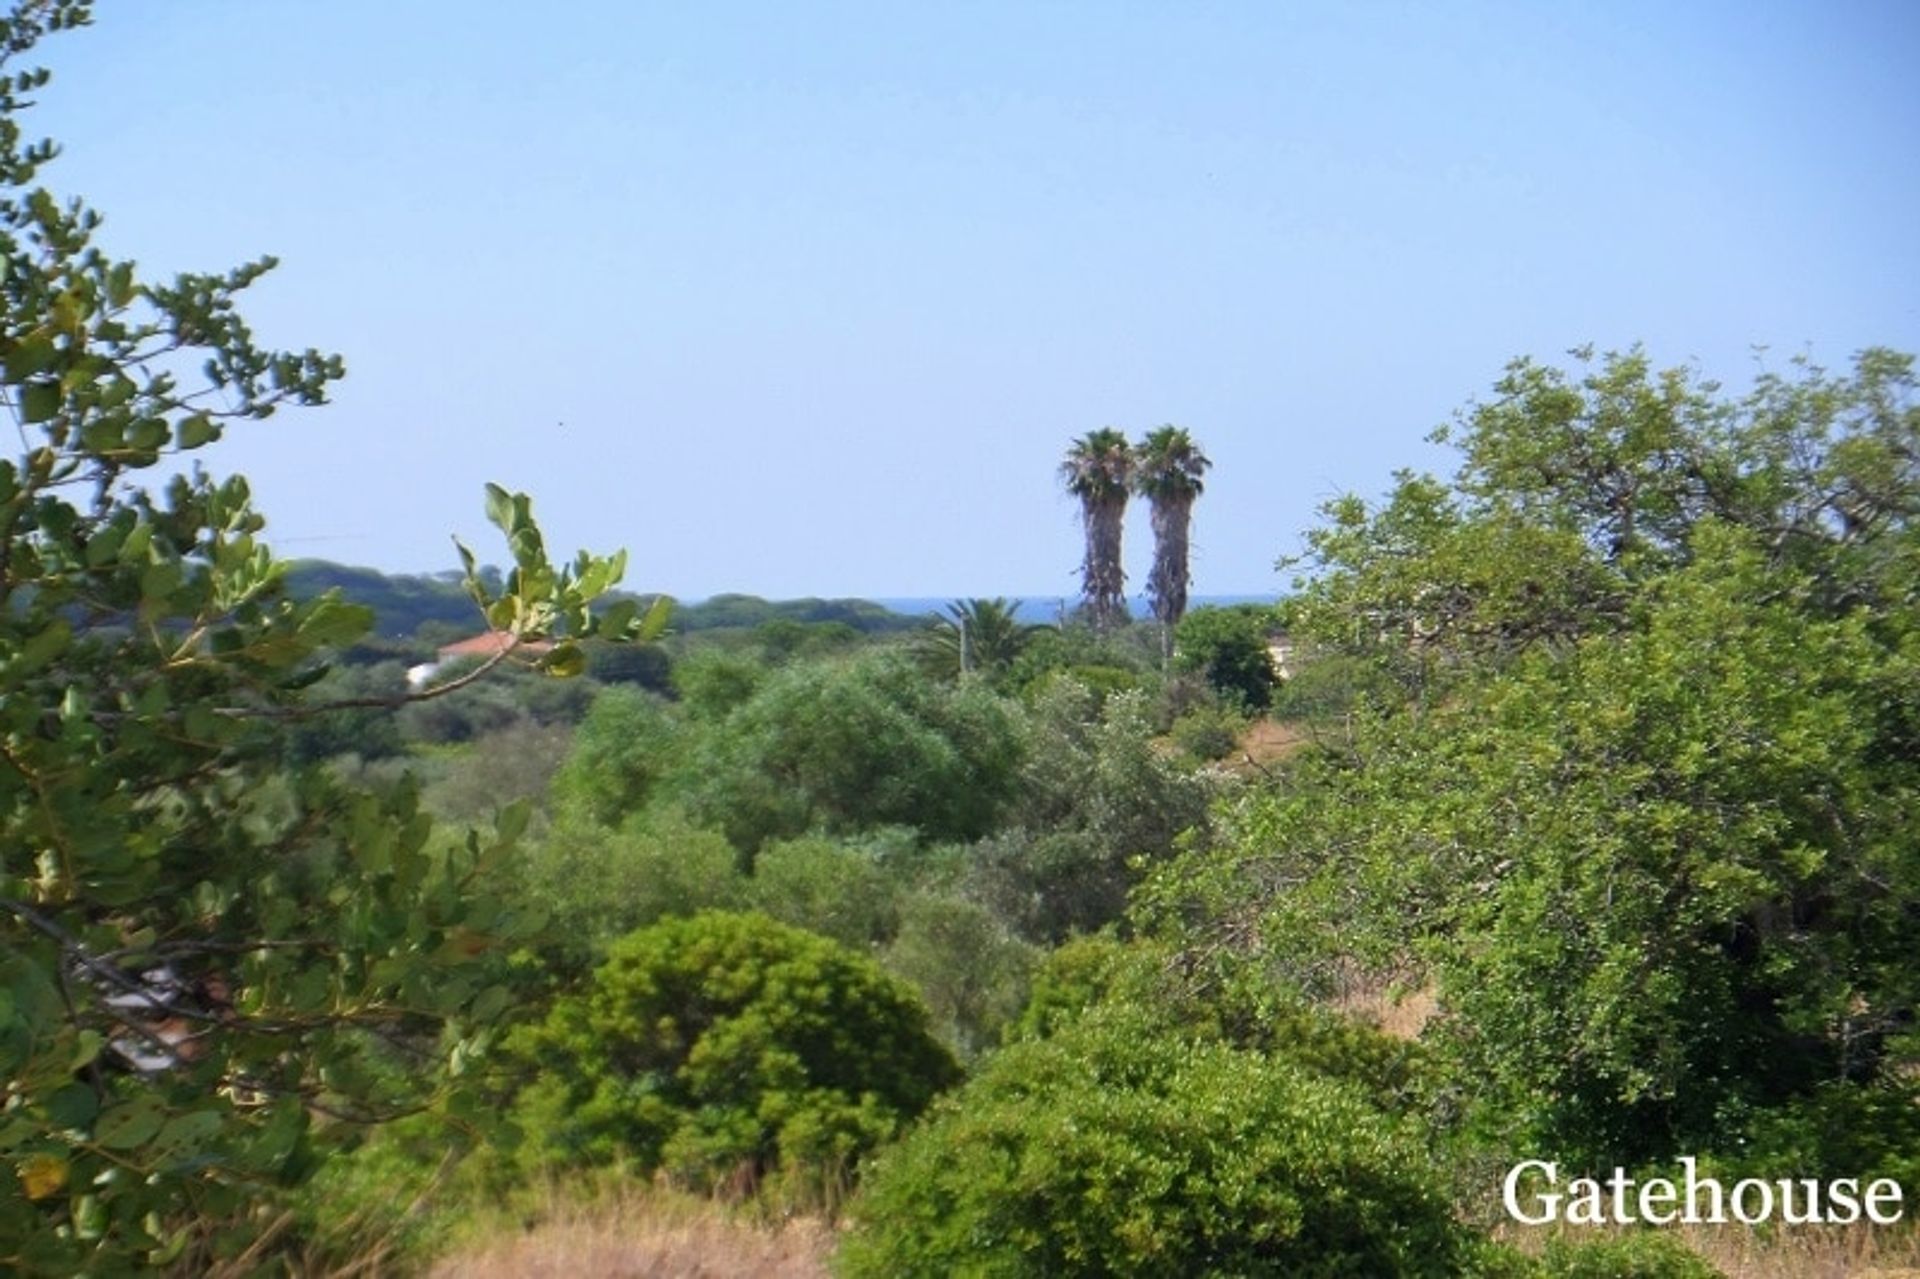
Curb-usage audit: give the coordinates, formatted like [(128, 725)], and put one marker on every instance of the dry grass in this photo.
[(1266, 742), (1826, 1252), (1400, 1013), (641, 1231)]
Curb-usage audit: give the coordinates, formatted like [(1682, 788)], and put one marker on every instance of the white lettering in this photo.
[(1883, 1189), (1533, 1197), (1692, 1216), (1661, 1190), (1512, 1192), (1586, 1204), (1843, 1193), (1740, 1189), (1810, 1206)]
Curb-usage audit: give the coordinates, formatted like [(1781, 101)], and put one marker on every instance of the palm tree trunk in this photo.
[(1103, 577), (1167, 584)]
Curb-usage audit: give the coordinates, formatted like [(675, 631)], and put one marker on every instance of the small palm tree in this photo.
[(1167, 466), (1099, 471), (984, 636)]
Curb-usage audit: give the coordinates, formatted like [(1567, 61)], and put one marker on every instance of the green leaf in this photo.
[(120, 286), (39, 401), (490, 1003), (334, 622), (655, 623), (566, 661), (40, 649), (73, 1106), (30, 356), (512, 821), (197, 430), (148, 434), (186, 1133), (617, 619), (86, 1048), (499, 508), (129, 1124)]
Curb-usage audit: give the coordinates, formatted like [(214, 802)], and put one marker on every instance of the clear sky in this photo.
[(810, 298)]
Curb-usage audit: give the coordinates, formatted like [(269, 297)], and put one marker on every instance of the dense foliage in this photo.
[(727, 1048), (1228, 647), (1644, 808), (212, 962), (1600, 788), (1114, 1148)]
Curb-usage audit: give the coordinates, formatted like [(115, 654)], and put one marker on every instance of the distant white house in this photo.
[(1280, 653), (482, 646)]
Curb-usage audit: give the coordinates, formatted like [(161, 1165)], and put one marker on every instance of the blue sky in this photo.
[(809, 299)]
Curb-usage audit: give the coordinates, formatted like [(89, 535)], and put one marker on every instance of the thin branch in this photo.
[(370, 703)]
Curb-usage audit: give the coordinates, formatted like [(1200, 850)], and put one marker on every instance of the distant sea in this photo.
[(1050, 608)]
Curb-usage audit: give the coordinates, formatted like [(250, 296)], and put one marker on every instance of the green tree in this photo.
[(727, 1049), (838, 890), (1228, 646), (621, 756), (1579, 487), (976, 636), (1096, 803), (1647, 815), (969, 968), (201, 949), (712, 681), (847, 746), (1117, 1148), (1167, 471), (1098, 470), (597, 883)]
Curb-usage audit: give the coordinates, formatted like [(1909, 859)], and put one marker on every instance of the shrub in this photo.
[(828, 888), (1116, 1148), (1092, 976), (1229, 646), (848, 746), (1208, 733), (971, 970), (712, 681), (620, 755), (1097, 801), (1632, 1256), (599, 883), (727, 1048)]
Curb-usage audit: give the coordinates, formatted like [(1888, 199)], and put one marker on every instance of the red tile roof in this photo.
[(489, 643)]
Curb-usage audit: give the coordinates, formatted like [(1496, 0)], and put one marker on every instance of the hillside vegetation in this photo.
[(1580, 828)]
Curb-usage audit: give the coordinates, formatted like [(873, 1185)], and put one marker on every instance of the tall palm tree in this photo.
[(1099, 470), (1167, 466)]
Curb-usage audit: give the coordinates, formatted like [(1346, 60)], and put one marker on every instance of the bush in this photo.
[(726, 1049), (828, 888), (1097, 802), (599, 883), (1229, 646), (971, 970), (512, 763), (1209, 733), (1634, 1256), (621, 753), (848, 746), (1114, 1148), (712, 681), (1092, 976)]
